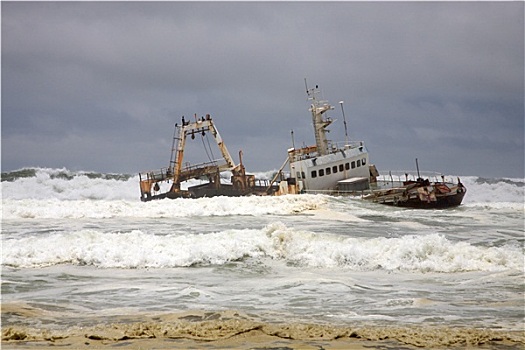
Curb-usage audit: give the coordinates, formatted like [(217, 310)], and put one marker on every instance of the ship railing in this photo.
[(349, 193), (155, 175), (308, 152), (398, 177), (163, 174), (336, 146), (190, 167), (302, 153), (319, 191), (262, 183), (338, 192)]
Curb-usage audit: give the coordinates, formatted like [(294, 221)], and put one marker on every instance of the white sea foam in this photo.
[(138, 249), (48, 183), (293, 256), (67, 185), (181, 207), (507, 192), (64, 185)]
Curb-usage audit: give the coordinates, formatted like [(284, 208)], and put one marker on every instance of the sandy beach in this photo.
[(235, 330)]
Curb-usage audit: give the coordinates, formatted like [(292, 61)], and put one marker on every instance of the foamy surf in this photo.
[(176, 208), (139, 249), (63, 184), (81, 246)]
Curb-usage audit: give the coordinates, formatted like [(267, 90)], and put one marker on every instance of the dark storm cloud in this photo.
[(99, 86)]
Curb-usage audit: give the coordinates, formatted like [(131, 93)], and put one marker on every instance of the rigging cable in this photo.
[(206, 149), (211, 151)]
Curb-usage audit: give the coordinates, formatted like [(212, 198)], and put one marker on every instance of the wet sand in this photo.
[(231, 330)]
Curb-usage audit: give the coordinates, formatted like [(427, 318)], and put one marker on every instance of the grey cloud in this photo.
[(419, 79)]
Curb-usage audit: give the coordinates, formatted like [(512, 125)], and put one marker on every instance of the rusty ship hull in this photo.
[(326, 168), (420, 195)]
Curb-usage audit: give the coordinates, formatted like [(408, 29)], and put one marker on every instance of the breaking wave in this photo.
[(138, 249), (176, 208), (63, 184)]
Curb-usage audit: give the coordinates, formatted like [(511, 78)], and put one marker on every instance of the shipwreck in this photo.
[(328, 168)]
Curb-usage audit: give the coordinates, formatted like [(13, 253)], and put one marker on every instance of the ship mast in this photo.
[(318, 108)]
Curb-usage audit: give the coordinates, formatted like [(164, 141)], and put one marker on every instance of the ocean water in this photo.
[(79, 247)]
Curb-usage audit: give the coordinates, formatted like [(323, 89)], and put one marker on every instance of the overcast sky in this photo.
[(98, 86)]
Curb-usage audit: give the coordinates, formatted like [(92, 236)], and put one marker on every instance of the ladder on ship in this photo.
[(175, 145), (211, 168)]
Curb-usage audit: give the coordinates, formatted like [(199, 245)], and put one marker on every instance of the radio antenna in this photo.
[(306, 86), (417, 167), (344, 121)]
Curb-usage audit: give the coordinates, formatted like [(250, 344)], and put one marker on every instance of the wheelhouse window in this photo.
[(314, 174), (359, 162), (334, 169), (321, 172), (347, 166), (328, 171), (353, 164), (364, 161), (341, 167)]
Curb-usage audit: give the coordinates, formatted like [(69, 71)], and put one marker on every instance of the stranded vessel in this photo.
[(417, 193), (345, 170), (325, 167), (166, 182), (328, 167)]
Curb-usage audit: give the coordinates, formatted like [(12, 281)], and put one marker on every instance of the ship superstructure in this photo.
[(328, 166)]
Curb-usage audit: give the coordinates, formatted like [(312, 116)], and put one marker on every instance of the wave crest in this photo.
[(137, 249)]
